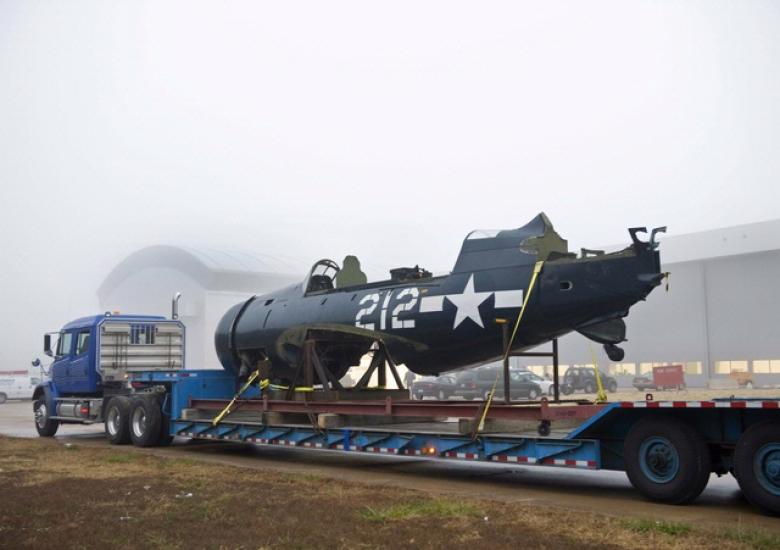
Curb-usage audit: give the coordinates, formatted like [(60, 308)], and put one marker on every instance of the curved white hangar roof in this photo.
[(213, 269)]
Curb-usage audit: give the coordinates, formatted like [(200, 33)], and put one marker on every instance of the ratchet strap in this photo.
[(229, 408), (601, 395), (537, 269)]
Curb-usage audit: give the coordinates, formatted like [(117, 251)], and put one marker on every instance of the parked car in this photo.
[(643, 383), (584, 378), (477, 383), (440, 387), (545, 385)]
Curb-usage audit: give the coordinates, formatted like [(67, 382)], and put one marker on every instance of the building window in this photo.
[(727, 367), (766, 366), (624, 369), (693, 367)]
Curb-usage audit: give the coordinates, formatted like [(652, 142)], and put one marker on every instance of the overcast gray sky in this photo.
[(387, 130)]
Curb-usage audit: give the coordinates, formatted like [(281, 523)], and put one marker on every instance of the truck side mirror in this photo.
[(47, 345)]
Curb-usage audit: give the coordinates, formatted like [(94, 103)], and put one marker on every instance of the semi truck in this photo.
[(128, 373)]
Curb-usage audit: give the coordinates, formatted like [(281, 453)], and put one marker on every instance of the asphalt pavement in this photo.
[(604, 491)]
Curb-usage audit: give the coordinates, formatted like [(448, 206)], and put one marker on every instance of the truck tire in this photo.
[(145, 421), (45, 426), (117, 422), (667, 460), (757, 466)]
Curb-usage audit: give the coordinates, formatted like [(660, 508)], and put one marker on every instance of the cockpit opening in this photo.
[(327, 276), (322, 276)]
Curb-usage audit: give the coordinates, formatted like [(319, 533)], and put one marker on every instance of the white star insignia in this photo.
[(468, 304)]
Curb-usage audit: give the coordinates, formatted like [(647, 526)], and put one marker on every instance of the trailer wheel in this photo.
[(757, 466), (145, 421), (667, 460), (117, 423), (45, 426)]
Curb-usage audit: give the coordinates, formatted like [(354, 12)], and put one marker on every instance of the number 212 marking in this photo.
[(406, 301)]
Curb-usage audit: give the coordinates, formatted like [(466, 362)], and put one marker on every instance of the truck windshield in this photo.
[(64, 344)]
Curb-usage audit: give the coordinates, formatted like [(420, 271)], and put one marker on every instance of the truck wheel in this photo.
[(45, 426), (666, 460), (145, 421), (757, 466), (3, 398), (117, 423)]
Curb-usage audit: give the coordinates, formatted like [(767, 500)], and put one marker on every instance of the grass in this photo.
[(183, 502), (644, 525), (121, 459), (752, 538), (418, 509)]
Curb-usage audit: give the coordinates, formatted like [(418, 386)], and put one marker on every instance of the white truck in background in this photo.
[(17, 384)]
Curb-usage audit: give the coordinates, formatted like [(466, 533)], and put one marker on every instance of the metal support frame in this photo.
[(389, 407), (380, 362), (311, 366), (314, 372), (553, 354)]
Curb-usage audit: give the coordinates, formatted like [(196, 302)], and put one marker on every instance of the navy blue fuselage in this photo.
[(437, 324)]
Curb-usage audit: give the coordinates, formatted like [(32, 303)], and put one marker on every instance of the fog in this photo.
[(316, 129)]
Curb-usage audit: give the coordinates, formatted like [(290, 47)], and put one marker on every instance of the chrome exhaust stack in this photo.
[(175, 306)]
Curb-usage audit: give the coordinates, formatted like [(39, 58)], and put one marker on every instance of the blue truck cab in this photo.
[(94, 360)]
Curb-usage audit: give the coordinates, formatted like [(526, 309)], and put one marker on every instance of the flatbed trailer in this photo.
[(668, 449), (127, 372)]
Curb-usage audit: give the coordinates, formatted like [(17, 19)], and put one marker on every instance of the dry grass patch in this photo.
[(113, 497)]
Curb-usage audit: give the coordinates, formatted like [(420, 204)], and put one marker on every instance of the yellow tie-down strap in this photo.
[(531, 285), (227, 410)]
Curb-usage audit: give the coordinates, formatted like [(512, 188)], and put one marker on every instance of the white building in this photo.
[(211, 281), (721, 313)]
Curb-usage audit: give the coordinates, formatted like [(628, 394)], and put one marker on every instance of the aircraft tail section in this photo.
[(537, 240)]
